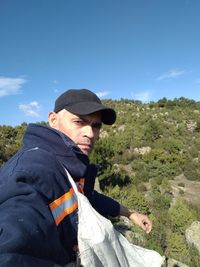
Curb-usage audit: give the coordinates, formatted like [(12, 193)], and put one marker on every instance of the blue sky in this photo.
[(136, 49)]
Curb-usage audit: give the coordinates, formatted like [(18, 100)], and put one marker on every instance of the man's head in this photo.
[(79, 114), (84, 102)]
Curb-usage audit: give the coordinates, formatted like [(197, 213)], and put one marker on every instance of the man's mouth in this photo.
[(85, 146)]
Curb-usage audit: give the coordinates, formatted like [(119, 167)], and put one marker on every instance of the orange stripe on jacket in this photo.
[(66, 212), (66, 204), (57, 202)]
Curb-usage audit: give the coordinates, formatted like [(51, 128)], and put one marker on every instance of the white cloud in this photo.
[(32, 109), (10, 86), (171, 74), (142, 96), (102, 94)]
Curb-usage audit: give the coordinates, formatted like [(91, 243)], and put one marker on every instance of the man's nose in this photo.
[(89, 131)]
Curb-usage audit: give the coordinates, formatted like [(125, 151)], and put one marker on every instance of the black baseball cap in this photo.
[(84, 102)]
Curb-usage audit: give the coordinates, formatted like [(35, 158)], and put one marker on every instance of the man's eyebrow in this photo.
[(95, 123), (82, 118)]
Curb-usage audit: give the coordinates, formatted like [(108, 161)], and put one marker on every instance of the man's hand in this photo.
[(137, 218), (142, 221)]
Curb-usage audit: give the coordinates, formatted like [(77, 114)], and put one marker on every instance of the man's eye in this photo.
[(79, 122), (97, 125)]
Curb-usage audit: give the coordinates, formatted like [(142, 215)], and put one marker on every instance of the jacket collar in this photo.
[(64, 149)]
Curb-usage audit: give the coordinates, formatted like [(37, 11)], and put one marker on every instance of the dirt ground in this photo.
[(190, 191)]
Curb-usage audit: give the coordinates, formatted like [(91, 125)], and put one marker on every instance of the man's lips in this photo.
[(85, 145)]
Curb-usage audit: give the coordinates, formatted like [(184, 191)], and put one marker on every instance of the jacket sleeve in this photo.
[(28, 236), (19, 260), (105, 205)]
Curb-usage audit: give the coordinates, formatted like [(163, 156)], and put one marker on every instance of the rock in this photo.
[(104, 134), (193, 235), (97, 185), (142, 150), (121, 128), (191, 125), (124, 227)]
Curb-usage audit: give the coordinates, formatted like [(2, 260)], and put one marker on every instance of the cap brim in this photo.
[(86, 108)]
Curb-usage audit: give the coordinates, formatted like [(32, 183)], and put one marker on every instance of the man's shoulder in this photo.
[(30, 160)]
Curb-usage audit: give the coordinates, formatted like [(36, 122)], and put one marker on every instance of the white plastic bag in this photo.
[(100, 245)]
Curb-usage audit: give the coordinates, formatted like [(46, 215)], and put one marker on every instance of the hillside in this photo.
[(150, 162)]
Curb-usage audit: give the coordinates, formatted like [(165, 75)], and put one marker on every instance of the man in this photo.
[(38, 207)]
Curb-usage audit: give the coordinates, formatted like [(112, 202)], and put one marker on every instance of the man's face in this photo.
[(83, 130)]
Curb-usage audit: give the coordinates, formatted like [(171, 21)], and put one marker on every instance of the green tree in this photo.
[(153, 130), (180, 216), (177, 248), (130, 197)]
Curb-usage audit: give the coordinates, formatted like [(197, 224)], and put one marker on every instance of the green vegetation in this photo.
[(10, 140), (147, 147)]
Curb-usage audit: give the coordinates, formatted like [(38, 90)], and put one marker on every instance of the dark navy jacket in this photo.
[(38, 210)]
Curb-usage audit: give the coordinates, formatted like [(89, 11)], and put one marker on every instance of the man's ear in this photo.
[(52, 119)]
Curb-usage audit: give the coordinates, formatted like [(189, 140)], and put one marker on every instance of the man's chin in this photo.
[(86, 152), (85, 149)]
